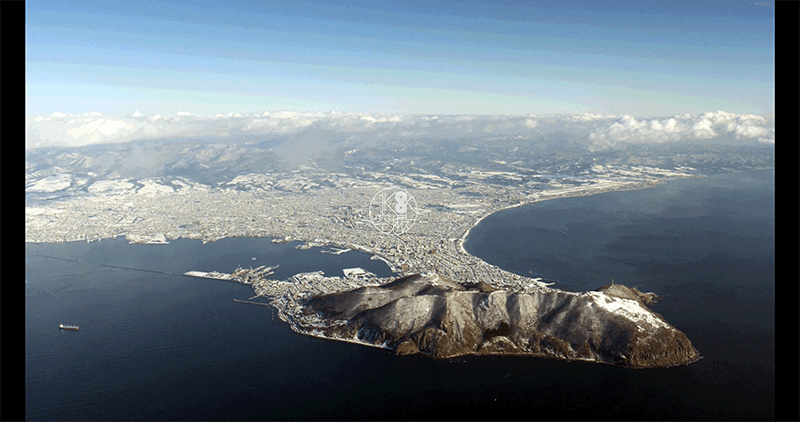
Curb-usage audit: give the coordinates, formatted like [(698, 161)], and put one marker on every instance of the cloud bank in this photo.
[(708, 126), (599, 131)]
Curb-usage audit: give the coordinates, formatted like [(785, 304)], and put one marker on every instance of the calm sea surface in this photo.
[(162, 346)]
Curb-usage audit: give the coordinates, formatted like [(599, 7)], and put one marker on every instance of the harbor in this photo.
[(240, 275)]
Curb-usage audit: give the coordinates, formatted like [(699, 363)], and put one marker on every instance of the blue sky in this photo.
[(643, 58)]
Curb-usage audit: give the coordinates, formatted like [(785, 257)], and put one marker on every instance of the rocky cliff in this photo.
[(443, 319)]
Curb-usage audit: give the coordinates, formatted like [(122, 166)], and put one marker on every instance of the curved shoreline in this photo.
[(538, 198), (452, 261)]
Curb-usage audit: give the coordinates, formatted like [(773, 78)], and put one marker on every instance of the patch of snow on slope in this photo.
[(111, 187), (626, 307), (51, 184), (152, 188)]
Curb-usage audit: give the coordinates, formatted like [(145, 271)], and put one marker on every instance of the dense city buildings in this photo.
[(324, 209)]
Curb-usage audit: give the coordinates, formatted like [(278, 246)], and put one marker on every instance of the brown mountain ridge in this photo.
[(441, 318)]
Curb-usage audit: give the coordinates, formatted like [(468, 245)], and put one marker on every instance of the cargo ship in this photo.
[(68, 327)]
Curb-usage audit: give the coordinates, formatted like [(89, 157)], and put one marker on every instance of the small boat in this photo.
[(68, 327)]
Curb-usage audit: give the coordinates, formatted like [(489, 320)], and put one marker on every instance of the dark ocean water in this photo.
[(168, 347), (705, 245)]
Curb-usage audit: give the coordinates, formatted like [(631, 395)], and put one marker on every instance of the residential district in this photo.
[(324, 209)]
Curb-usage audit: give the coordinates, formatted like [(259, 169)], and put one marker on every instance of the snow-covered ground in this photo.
[(626, 307)]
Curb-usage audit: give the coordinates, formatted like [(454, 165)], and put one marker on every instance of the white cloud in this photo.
[(719, 117), (703, 129), (750, 131), (720, 126), (589, 117), (769, 141), (98, 131), (601, 131)]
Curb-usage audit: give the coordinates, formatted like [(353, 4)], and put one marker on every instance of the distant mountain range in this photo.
[(213, 161)]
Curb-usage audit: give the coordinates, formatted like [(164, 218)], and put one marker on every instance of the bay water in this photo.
[(157, 345)]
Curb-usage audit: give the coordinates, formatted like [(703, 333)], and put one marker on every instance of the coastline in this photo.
[(452, 261), (621, 186), (725, 362)]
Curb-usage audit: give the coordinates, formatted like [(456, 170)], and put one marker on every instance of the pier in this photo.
[(252, 303), (135, 269), (55, 257)]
